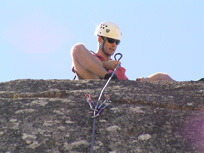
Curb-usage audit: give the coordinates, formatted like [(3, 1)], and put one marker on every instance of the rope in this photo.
[(93, 129)]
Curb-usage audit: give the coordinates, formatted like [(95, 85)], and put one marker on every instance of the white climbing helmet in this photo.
[(108, 29)]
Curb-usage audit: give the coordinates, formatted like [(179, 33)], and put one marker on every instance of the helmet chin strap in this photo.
[(102, 47)]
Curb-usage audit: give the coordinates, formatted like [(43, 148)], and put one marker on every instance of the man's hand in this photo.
[(111, 64), (108, 75)]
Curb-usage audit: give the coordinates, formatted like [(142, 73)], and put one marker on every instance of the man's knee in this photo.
[(77, 49), (163, 76), (160, 76)]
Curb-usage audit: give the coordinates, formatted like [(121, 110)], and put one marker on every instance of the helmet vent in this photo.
[(103, 26)]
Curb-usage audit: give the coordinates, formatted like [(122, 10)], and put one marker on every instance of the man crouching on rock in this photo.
[(89, 65)]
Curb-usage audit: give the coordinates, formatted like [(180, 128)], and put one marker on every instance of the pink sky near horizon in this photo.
[(36, 33)]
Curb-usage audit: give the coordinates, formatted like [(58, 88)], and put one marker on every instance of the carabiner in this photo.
[(88, 97), (119, 57)]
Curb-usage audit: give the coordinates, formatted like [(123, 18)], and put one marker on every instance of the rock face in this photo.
[(44, 116)]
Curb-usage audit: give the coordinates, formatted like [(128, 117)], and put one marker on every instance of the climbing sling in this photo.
[(100, 106)]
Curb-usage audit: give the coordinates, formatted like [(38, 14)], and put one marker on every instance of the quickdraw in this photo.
[(98, 107)]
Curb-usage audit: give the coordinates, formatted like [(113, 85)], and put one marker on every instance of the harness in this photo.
[(98, 107)]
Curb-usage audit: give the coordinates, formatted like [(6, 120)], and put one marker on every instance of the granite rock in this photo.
[(46, 116)]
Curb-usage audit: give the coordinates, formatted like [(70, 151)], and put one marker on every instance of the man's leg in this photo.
[(160, 77), (85, 64), (156, 77)]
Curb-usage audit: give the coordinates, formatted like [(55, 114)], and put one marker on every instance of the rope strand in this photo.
[(99, 98)]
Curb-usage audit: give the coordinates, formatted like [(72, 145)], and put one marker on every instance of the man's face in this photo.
[(110, 46)]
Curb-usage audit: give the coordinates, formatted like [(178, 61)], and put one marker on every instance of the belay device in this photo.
[(98, 107)]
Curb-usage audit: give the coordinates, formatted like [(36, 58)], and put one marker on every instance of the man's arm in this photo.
[(85, 64), (110, 64)]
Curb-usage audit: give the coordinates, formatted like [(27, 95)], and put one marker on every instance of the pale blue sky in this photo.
[(157, 36)]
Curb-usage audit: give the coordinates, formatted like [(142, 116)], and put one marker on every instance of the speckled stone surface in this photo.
[(46, 116)]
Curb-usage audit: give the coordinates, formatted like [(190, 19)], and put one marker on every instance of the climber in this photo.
[(89, 65)]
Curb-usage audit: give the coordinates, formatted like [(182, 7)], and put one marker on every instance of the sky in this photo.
[(157, 36)]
